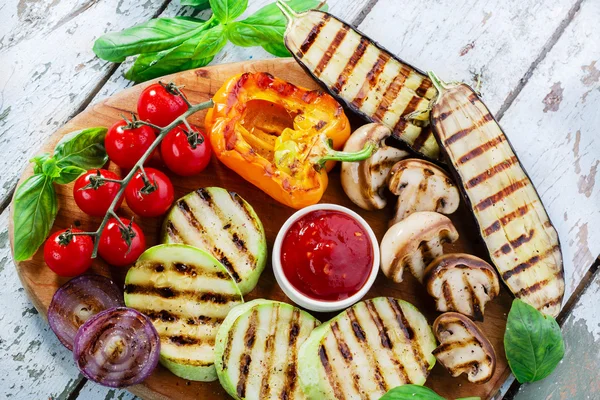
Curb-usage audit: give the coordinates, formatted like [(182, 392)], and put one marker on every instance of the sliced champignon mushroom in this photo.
[(421, 186), (461, 283), (463, 348), (364, 181), (414, 242)]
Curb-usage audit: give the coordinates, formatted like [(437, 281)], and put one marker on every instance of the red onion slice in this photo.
[(117, 347), (78, 300)]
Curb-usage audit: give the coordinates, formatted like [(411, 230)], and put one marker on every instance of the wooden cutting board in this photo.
[(200, 85)]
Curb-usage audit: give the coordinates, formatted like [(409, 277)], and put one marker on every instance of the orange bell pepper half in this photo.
[(279, 136)]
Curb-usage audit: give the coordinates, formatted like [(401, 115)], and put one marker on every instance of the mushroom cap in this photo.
[(364, 182), (463, 348), (414, 242), (422, 186), (462, 283)]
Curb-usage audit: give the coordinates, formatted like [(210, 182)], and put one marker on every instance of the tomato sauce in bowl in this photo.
[(327, 255)]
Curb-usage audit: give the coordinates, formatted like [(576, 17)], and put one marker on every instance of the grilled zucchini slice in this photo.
[(224, 224), (256, 350), (363, 75), (366, 350), (518, 234), (187, 294)]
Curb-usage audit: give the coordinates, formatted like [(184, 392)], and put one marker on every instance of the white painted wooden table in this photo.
[(540, 65)]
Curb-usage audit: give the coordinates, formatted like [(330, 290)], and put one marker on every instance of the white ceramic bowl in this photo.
[(301, 299)]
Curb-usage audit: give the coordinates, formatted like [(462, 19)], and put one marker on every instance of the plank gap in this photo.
[(75, 393), (512, 96), (363, 13)]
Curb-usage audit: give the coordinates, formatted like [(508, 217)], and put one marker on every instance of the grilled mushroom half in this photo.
[(421, 186), (461, 283), (414, 242), (364, 181), (463, 348)]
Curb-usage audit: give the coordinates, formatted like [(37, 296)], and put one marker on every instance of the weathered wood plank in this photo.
[(33, 363), (48, 69), (92, 391), (553, 124)]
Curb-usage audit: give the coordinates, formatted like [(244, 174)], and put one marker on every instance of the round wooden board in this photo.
[(200, 85)]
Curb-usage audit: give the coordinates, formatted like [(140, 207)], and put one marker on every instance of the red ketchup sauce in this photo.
[(327, 255)]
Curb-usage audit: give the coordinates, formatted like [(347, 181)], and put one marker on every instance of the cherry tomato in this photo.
[(126, 146), (185, 156), (68, 255), (113, 246), (160, 105), (150, 201), (96, 200)]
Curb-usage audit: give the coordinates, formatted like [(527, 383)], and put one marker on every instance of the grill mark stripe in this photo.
[(477, 314), (347, 356), (464, 132), (172, 317), (331, 49), (269, 355), (522, 239), (450, 305), (529, 263), (479, 150), (168, 293), (410, 335), (458, 344), (349, 68), (495, 227), (330, 375), (402, 122), (506, 219), (552, 303), (466, 365), (357, 329), (484, 176), (187, 340), (505, 192), (173, 232), (422, 138), (391, 92), (245, 207), (290, 373), (245, 358), (423, 87), (371, 79), (526, 291), (312, 36)]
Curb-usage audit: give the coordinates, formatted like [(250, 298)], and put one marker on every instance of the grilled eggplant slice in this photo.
[(360, 73), (256, 350), (462, 283), (414, 242), (366, 350), (522, 243), (421, 186), (187, 294), (364, 181), (225, 225), (463, 348)]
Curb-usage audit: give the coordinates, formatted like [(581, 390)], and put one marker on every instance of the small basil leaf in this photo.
[(533, 342), (84, 148), (68, 174), (266, 27), (149, 37), (411, 392), (39, 162), (50, 168), (198, 4), (228, 10), (182, 57), (35, 208)]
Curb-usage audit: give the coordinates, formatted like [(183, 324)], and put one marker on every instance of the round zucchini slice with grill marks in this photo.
[(224, 224), (256, 350), (367, 350), (187, 294)]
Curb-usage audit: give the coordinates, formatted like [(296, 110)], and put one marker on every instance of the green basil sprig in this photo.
[(415, 392), (533, 343), (168, 45), (35, 204)]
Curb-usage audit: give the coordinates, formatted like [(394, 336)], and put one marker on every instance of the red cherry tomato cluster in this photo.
[(185, 151)]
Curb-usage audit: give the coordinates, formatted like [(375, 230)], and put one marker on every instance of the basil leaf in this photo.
[(50, 168), (196, 52), (266, 27), (39, 162), (411, 392), (533, 342), (198, 4), (84, 148), (228, 10), (149, 37), (69, 174), (35, 208)]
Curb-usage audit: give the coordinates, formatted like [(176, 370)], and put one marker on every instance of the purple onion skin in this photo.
[(117, 347), (78, 300)]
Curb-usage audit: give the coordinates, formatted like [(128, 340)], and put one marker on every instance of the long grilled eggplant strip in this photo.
[(515, 227), (363, 75)]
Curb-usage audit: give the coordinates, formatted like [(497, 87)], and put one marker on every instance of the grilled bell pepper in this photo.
[(279, 136)]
